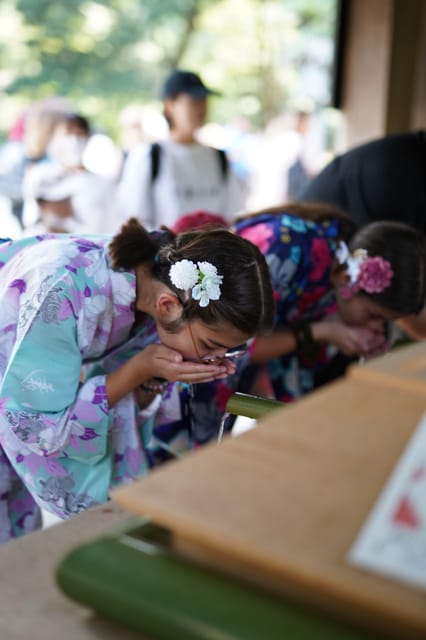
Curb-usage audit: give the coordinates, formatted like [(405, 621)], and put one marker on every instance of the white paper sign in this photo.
[(393, 539)]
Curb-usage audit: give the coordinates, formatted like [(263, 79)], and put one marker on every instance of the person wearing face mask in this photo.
[(69, 140), (76, 147), (163, 181), (68, 197)]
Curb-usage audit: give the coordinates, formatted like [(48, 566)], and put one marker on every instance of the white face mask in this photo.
[(67, 150)]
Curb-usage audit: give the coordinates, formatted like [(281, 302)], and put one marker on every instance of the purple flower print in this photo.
[(89, 434), (85, 245), (9, 328), (100, 396), (78, 261), (19, 284)]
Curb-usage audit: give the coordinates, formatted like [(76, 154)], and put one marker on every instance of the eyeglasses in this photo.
[(232, 354)]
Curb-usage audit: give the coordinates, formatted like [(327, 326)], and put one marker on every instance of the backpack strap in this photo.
[(155, 154), (223, 163)]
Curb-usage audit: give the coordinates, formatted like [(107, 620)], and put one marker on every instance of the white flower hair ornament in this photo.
[(353, 260), (202, 278)]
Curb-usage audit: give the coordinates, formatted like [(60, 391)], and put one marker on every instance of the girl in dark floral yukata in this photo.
[(335, 289)]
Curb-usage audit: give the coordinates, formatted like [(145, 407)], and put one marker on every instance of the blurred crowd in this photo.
[(59, 173)]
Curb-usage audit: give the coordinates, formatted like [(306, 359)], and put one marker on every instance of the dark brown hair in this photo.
[(405, 249), (246, 300)]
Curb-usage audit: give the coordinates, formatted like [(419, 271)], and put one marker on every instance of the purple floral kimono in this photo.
[(66, 320)]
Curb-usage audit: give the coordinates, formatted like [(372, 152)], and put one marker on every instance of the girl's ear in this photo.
[(168, 307)]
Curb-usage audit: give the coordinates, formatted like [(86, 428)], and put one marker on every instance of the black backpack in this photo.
[(155, 153)]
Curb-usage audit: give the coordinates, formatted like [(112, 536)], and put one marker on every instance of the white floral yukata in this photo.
[(63, 310)]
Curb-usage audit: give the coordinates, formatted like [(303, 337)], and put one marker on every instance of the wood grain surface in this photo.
[(282, 504)]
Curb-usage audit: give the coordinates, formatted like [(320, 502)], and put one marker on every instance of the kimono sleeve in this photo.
[(44, 405)]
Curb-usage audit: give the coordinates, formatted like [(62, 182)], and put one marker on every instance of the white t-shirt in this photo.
[(189, 178), (94, 205)]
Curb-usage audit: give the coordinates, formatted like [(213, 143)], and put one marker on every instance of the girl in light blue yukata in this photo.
[(92, 332)]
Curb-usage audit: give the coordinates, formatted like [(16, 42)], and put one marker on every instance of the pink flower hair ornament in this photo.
[(366, 273)]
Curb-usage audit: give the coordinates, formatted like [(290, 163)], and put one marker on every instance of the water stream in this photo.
[(222, 426)]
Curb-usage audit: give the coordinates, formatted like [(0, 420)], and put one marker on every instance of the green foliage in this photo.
[(106, 54)]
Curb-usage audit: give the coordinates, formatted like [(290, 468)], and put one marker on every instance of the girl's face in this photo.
[(197, 341), (360, 310)]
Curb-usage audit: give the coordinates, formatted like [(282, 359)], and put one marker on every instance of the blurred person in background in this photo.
[(164, 180), (383, 179), (139, 127), (76, 146), (70, 201), (26, 146), (69, 140), (40, 124), (287, 160), (66, 196), (12, 167)]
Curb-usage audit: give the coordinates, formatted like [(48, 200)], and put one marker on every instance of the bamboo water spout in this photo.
[(242, 404)]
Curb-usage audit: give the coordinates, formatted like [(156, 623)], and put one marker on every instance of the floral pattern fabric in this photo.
[(67, 320), (299, 254)]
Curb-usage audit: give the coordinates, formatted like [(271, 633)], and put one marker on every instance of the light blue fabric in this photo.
[(66, 321)]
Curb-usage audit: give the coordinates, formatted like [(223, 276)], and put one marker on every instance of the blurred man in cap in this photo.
[(163, 181)]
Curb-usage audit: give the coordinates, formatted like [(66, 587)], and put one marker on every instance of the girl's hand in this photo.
[(351, 340), (159, 361), (371, 342)]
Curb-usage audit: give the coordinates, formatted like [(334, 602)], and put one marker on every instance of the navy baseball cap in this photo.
[(185, 82)]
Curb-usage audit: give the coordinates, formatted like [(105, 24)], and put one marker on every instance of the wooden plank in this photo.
[(31, 604), (282, 504), (403, 368)]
